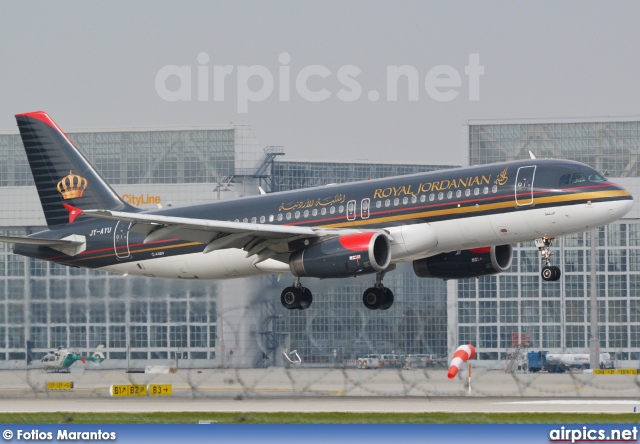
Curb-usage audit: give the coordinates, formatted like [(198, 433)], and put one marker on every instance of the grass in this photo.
[(316, 418)]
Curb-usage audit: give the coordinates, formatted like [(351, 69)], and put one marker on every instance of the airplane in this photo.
[(60, 360), (452, 224)]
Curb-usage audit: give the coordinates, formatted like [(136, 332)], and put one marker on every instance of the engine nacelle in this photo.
[(465, 264), (344, 256)]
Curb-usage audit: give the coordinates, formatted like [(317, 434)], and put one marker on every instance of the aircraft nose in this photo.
[(621, 207)]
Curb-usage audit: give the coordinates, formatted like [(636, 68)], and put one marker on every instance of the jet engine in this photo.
[(466, 263), (344, 256)]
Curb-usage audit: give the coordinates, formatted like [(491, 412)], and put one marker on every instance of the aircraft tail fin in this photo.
[(61, 173)]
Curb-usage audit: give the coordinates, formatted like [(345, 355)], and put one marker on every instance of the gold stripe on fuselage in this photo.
[(471, 208)]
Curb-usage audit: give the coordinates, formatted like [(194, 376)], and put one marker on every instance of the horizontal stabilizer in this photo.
[(70, 245)]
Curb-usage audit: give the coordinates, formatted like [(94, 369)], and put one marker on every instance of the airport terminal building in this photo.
[(241, 323)]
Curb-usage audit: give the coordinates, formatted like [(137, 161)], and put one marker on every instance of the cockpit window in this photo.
[(577, 178), (595, 177), (565, 179)]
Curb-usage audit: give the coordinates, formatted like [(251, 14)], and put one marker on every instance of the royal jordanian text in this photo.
[(64, 435)]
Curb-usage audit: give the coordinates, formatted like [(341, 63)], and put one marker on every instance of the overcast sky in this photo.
[(100, 64)]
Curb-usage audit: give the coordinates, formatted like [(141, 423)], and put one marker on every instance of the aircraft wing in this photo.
[(264, 240)]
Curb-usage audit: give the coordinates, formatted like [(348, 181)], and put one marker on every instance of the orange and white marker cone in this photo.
[(462, 355)]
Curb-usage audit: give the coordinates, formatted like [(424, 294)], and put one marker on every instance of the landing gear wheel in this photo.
[(388, 296), (547, 273), (291, 298), (307, 299), (373, 298), (550, 273)]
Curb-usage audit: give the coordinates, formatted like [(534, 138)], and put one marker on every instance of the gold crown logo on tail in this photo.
[(72, 186)]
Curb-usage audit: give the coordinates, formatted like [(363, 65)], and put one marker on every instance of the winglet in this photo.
[(73, 212), (532, 155)]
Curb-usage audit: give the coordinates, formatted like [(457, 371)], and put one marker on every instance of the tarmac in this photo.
[(322, 390)]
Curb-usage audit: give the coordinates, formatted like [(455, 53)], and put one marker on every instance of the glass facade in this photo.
[(143, 319), (138, 157), (611, 147), (296, 175), (556, 315), (337, 320), (136, 318)]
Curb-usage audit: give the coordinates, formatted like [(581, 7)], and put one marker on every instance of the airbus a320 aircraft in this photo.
[(453, 224)]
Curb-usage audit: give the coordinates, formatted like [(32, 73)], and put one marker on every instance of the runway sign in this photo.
[(159, 389), (59, 385), (128, 390), (620, 371)]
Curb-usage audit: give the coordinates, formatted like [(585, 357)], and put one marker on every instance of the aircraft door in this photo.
[(524, 185), (351, 210), (364, 208), (121, 239)]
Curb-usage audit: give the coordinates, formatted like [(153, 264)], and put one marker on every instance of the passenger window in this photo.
[(476, 191), (396, 201), (414, 199), (288, 216), (577, 178), (279, 217), (306, 213), (332, 210), (449, 194), (262, 219), (387, 203), (237, 220), (297, 215), (405, 200), (253, 220), (440, 195), (341, 209), (494, 189), (245, 220), (423, 198), (485, 190), (467, 192), (378, 203), (565, 179), (314, 212), (458, 193), (323, 211), (431, 197), (270, 218)]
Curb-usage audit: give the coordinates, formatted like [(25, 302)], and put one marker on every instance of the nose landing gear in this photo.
[(549, 272)]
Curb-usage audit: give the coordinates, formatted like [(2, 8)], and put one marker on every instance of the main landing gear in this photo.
[(549, 272), (296, 297), (378, 297)]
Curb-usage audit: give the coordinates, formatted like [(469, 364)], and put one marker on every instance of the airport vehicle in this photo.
[(60, 360), (453, 224), (561, 362), (579, 360), (379, 361), (421, 361)]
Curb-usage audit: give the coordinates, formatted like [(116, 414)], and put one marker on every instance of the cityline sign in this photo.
[(141, 199)]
